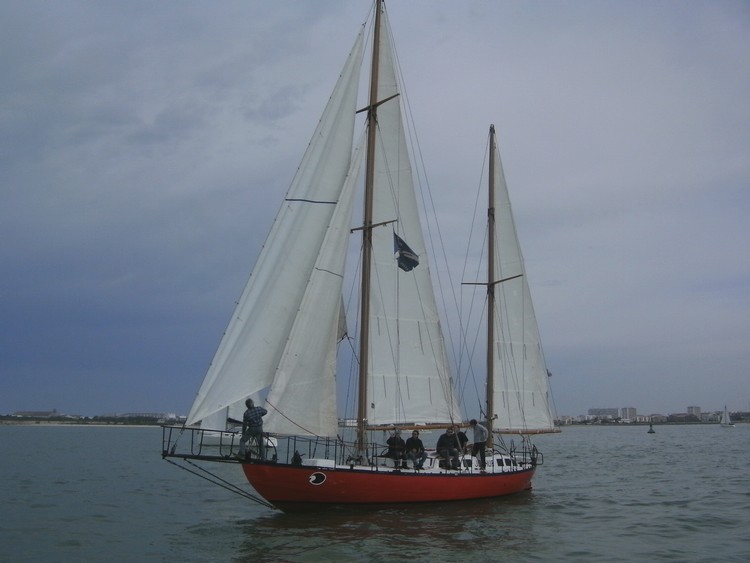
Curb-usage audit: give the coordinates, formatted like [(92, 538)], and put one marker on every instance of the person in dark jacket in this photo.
[(462, 439), (415, 450), (396, 448), (448, 447)]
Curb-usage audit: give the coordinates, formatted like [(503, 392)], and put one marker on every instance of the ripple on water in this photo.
[(613, 494)]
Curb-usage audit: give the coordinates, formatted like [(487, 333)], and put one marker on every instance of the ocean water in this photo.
[(603, 494)]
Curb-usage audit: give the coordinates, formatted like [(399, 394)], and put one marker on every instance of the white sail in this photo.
[(522, 398), (409, 374), (256, 337), (725, 418), (305, 380)]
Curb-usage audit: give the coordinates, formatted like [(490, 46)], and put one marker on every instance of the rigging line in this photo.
[(445, 379), (394, 355), (293, 422), (478, 192), (471, 353), (466, 323), (480, 262), (517, 379), (351, 389), (215, 480), (269, 403), (419, 172)]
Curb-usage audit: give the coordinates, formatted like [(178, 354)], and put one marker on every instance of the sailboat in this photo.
[(280, 346), (726, 421)]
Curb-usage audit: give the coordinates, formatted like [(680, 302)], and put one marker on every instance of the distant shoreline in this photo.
[(626, 424), (78, 423), (123, 424)]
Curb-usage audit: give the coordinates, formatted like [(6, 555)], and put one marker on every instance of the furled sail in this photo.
[(409, 374), (254, 342), (522, 398)]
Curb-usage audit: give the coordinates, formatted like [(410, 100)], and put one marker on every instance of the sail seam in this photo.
[(301, 200)]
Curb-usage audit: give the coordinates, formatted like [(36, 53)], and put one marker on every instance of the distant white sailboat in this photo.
[(726, 421)]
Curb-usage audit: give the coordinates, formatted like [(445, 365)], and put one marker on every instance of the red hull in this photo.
[(302, 485)]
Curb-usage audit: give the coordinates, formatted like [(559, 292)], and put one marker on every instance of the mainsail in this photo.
[(409, 375)]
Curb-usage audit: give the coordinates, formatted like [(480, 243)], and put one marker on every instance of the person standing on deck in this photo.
[(480, 441), (252, 428)]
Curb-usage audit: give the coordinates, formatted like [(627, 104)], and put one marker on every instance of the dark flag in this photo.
[(407, 259)]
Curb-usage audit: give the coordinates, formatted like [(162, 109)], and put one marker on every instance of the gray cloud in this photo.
[(144, 148)]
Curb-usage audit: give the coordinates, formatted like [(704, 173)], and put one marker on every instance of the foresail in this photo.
[(305, 380), (216, 421), (522, 398), (255, 339), (409, 372)]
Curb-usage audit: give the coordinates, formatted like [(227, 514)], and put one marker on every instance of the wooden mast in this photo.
[(364, 334), (491, 291)]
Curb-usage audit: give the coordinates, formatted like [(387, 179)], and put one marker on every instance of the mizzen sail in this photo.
[(521, 398)]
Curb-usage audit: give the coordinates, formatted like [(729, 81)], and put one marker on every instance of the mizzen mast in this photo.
[(491, 291)]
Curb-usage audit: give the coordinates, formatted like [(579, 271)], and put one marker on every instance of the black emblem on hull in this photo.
[(317, 478)]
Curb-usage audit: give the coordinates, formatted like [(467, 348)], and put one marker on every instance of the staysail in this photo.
[(305, 379)]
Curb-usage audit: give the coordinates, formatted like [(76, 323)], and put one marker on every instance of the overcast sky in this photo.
[(145, 146)]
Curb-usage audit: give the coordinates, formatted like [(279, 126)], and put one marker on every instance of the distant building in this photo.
[(37, 414), (629, 413), (682, 417), (695, 411), (605, 413)]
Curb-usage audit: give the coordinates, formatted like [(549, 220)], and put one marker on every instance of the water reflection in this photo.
[(418, 533)]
